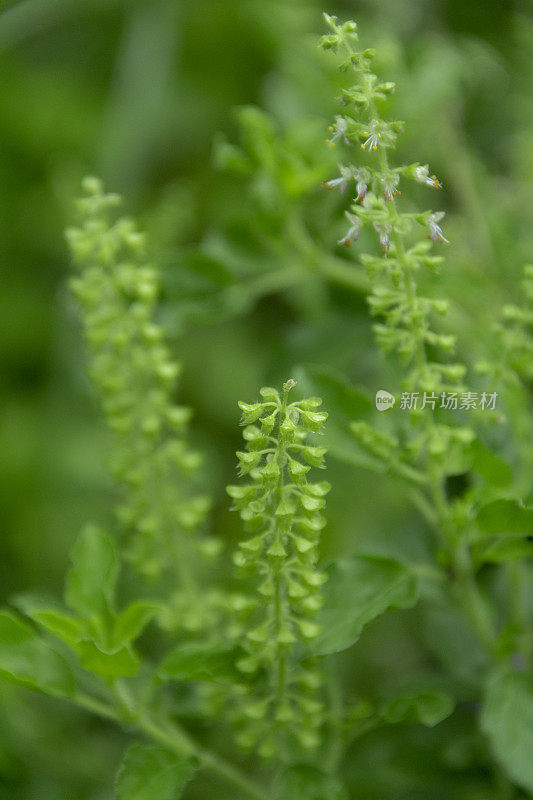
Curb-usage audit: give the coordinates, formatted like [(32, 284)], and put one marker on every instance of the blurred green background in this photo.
[(137, 91)]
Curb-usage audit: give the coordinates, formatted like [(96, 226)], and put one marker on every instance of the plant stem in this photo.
[(279, 582), (517, 579), (177, 741), (336, 743), (469, 596), (335, 269)]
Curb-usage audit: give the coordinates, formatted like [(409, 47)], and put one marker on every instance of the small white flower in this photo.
[(352, 234), (374, 136), (346, 174), (339, 128), (435, 231), (422, 176), (372, 142), (390, 183), (362, 176), (384, 241)]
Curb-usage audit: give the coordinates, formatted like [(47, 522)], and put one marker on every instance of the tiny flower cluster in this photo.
[(339, 130), (360, 176), (421, 174), (373, 134), (284, 514), (435, 231)]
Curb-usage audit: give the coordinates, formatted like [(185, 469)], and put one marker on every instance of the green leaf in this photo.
[(149, 772), (197, 290), (453, 641), (507, 719), (198, 661), (358, 590), (131, 622), (492, 469), (28, 660), (64, 626), (108, 656), (350, 403), (428, 707), (109, 665), (90, 583), (505, 516), (304, 782), (52, 618), (505, 549)]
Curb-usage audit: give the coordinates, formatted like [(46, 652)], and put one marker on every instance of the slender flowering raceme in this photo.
[(406, 327), (284, 514), (432, 447), (135, 380)]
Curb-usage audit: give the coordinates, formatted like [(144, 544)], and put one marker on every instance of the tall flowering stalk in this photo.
[(283, 512), (430, 449), (135, 379), (406, 327)]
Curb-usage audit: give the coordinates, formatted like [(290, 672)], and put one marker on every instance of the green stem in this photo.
[(336, 742), (469, 595), (178, 741), (334, 269), (271, 282), (281, 665), (517, 579), (339, 272)]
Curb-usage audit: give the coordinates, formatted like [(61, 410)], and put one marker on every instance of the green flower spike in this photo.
[(283, 512)]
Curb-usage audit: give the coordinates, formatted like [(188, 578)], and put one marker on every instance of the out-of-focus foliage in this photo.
[(144, 94)]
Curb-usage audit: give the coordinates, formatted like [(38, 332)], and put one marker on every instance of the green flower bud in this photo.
[(276, 550), (251, 412), (254, 545), (314, 455), (297, 469), (314, 419), (260, 634), (310, 403), (248, 461), (312, 503), (249, 665), (269, 394), (303, 545), (309, 630)]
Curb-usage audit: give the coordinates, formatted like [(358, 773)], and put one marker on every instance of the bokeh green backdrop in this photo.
[(135, 91)]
